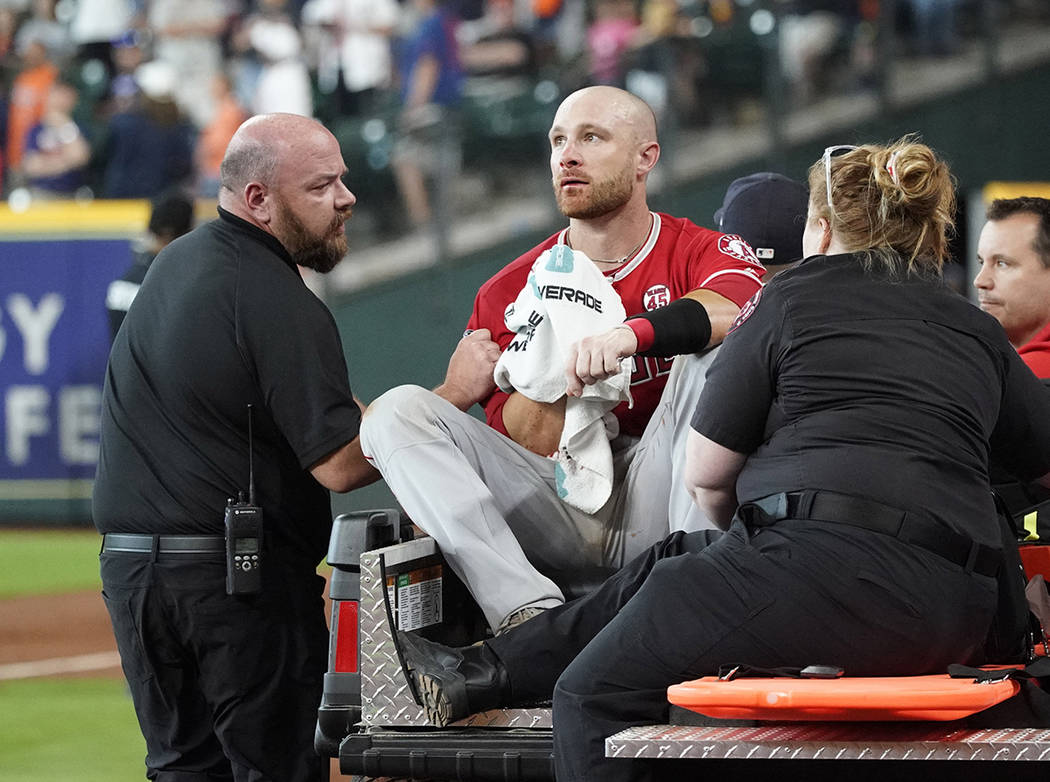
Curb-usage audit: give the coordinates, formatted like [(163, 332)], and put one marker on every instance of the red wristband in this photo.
[(643, 330)]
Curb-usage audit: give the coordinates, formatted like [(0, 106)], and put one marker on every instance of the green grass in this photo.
[(81, 729), (48, 561), (67, 728)]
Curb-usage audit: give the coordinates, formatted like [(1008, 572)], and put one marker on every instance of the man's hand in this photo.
[(597, 357), (469, 376)]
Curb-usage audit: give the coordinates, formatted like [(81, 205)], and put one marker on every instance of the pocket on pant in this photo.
[(126, 630)]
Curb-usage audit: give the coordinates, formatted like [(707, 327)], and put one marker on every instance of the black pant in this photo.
[(798, 593), (225, 688)]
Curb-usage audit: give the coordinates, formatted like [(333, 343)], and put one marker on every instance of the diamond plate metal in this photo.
[(386, 697), (903, 741)]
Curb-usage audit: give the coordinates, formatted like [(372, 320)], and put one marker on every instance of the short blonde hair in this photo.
[(894, 202)]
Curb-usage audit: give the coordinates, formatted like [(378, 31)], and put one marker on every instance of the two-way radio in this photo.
[(244, 535)]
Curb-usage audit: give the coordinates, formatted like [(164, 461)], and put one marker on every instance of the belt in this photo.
[(867, 514), (126, 542)]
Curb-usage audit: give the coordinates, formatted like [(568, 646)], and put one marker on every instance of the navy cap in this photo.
[(769, 211)]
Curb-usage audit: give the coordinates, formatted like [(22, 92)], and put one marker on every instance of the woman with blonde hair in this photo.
[(842, 441)]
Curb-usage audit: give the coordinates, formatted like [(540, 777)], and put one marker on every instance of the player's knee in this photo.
[(389, 412)]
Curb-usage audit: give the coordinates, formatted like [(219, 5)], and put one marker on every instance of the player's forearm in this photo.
[(721, 312), (698, 320), (457, 395)]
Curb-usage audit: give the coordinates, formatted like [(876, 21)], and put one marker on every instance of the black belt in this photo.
[(870, 515), (126, 542)]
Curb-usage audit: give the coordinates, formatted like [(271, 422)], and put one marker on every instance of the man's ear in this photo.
[(648, 154), (825, 234), (257, 200)]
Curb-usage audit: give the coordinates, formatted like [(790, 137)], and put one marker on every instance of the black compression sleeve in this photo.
[(682, 326)]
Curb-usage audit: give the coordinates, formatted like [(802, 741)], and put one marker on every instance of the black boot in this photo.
[(450, 683)]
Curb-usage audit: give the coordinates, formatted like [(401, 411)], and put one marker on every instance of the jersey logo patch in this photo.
[(736, 247), (746, 311), (656, 296)]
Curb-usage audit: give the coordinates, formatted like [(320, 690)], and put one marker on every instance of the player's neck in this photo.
[(610, 243)]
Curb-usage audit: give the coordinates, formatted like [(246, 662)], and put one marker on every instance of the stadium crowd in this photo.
[(129, 98)]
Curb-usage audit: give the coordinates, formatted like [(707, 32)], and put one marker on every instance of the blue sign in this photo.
[(54, 342)]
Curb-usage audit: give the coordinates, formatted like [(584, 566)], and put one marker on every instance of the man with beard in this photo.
[(226, 360), (498, 516)]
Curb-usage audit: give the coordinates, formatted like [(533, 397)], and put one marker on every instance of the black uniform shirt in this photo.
[(223, 319), (844, 380)]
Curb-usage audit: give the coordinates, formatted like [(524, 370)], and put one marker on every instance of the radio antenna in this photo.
[(251, 466)]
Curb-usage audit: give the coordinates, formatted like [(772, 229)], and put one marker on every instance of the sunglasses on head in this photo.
[(829, 153)]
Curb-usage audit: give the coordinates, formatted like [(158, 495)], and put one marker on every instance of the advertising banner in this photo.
[(54, 342)]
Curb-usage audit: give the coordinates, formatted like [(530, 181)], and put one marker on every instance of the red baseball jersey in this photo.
[(1036, 353), (677, 257)]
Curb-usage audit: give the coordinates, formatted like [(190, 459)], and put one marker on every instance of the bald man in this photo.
[(225, 360), (491, 495)]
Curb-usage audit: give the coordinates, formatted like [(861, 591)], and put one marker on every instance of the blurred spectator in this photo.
[(933, 26), (149, 149), (809, 32), (278, 78), (28, 97), (43, 26), (569, 27), (56, 152), (9, 66), (355, 59), (8, 24), (171, 216), (825, 45), (431, 87), (186, 35), (96, 23), (216, 135), (611, 36), (496, 46), (668, 64), (127, 53)]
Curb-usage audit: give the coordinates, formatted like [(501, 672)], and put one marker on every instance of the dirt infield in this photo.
[(51, 627)]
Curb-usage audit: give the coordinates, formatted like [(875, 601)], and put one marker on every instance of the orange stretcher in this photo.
[(933, 697)]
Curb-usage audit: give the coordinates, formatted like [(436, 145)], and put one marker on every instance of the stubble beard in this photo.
[(606, 196)]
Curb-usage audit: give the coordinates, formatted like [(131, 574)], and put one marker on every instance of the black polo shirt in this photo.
[(223, 320), (892, 389)]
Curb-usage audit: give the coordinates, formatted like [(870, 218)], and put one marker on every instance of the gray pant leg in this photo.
[(491, 505), (652, 501)]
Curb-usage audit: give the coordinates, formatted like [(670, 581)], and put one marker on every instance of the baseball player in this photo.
[(489, 495)]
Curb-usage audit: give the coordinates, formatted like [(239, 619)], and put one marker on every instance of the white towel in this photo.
[(565, 299)]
